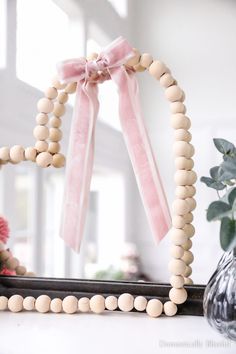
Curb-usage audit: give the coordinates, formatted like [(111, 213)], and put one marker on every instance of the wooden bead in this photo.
[(177, 266), (188, 271), (166, 80), (30, 274), (177, 252), (192, 203), (170, 309), (42, 118), (59, 109), (29, 303), (44, 159), (62, 97), (5, 153), (177, 107), (20, 270), (192, 189), (92, 56), (177, 281), (187, 245), (180, 207), (54, 147), (57, 84), (15, 303), (188, 281), (178, 237), (71, 87), (126, 302), (154, 308), (182, 163), (140, 303), (70, 304), (12, 263), (188, 257), (58, 160), (173, 93), (83, 304), (183, 177), (182, 134), (17, 154), (55, 122), (56, 305), (4, 255), (111, 303), (182, 99), (41, 146), (42, 303), (45, 105), (178, 296), (97, 304), (3, 303), (178, 221), (134, 59), (55, 134), (41, 132), (188, 218), (180, 121), (146, 60), (139, 68), (181, 192), (51, 93), (30, 153), (189, 229), (182, 148), (157, 69)]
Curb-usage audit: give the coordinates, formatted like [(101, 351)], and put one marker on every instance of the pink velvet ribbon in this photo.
[(87, 74)]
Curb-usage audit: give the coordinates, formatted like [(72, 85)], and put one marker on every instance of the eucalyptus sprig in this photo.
[(223, 178)]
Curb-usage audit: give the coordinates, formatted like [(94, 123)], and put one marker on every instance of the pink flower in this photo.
[(4, 230), (6, 271)]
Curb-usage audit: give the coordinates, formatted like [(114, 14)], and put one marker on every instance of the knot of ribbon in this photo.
[(108, 65)]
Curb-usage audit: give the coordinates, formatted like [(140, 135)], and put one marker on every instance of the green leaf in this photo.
[(214, 172), (217, 210), (232, 197), (229, 168), (224, 146), (228, 234), (210, 182)]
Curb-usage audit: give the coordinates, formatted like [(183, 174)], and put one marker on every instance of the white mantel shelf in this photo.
[(113, 333)]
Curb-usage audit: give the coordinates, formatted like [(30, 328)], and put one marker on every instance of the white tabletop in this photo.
[(113, 333)]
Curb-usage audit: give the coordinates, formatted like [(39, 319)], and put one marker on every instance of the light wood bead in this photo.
[(42, 303), (140, 303), (178, 237), (62, 97), (71, 87), (30, 274), (182, 99), (182, 163), (157, 69), (51, 93), (92, 56), (188, 218), (56, 305), (188, 281), (182, 148), (192, 203), (42, 118), (176, 266), (70, 304), (29, 303), (170, 309), (180, 121), (58, 160), (57, 84), (12, 263), (178, 296), (180, 207), (182, 135), (187, 245), (177, 251), (5, 153), (188, 271), (20, 270), (55, 122), (126, 302), (181, 192), (4, 255), (166, 80), (183, 178), (54, 147), (173, 93), (84, 304), (3, 303), (192, 189), (135, 58), (139, 68), (30, 153), (16, 153), (189, 229), (55, 134), (177, 281), (44, 159), (45, 105), (146, 60), (41, 132), (111, 303), (154, 308), (188, 257), (15, 303), (59, 109), (97, 304), (178, 221), (177, 107), (41, 146)]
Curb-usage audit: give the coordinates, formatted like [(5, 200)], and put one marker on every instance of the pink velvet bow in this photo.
[(108, 65)]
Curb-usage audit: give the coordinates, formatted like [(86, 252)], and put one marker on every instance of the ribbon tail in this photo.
[(79, 165), (141, 154)]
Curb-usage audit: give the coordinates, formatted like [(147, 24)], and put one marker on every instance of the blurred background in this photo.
[(196, 39)]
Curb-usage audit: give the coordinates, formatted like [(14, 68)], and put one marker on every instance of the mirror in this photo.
[(117, 242)]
